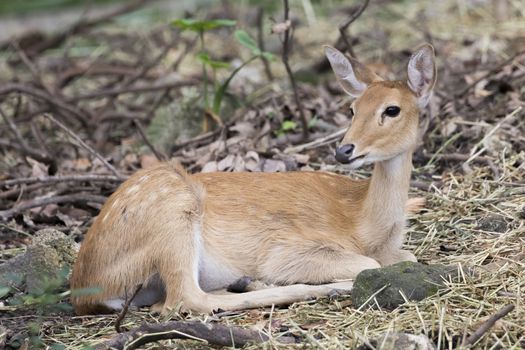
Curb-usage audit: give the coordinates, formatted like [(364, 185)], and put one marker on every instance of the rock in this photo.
[(400, 341), (50, 252), (415, 280), (492, 223)]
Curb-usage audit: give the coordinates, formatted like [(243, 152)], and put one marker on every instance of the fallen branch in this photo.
[(133, 89), (83, 24), (317, 143), (211, 333), (484, 328), (40, 202), (9, 88), (61, 178), (286, 49), (84, 145)]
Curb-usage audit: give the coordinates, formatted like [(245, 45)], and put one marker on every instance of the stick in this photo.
[(485, 326), (148, 143), (122, 313), (61, 178), (84, 145), (40, 202), (132, 89), (344, 26), (83, 24), (317, 143), (8, 88), (212, 333), (286, 48), (24, 147)]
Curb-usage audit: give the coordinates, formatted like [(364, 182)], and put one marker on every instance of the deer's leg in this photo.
[(313, 263)]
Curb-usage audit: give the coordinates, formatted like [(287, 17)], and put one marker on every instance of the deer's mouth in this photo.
[(351, 160)]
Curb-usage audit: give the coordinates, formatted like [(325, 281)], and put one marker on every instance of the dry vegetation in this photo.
[(131, 94)]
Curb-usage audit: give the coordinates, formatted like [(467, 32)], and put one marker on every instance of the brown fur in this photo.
[(300, 230)]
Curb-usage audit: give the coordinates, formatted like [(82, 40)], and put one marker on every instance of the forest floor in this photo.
[(82, 109)]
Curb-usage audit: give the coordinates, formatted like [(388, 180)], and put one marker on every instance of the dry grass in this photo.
[(475, 215)]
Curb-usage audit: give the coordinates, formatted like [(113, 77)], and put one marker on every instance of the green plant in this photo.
[(242, 37)]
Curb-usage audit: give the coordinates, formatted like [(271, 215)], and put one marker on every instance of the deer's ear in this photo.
[(422, 73), (354, 77)]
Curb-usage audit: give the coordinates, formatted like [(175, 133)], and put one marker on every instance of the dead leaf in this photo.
[(226, 163), (148, 160), (279, 28), (37, 169), (273, 166), (251, 161), (82, 164), (209, 167)]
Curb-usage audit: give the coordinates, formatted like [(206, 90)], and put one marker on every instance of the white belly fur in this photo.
[(212, 274)]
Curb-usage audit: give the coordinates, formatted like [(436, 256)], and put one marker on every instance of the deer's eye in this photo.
[(351, 112), (392, 111)]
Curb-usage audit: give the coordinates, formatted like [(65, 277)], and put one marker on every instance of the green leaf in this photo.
[(205, 58), (4, 291), (201, 25), (246, 40), (219, 93), (288, 125), (269, 56)]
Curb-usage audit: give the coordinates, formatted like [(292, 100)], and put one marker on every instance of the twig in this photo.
[(132, 89), (32, 68), (260, 42), (212, 333), (494, 70), (286, 48), (344, 26), (125, 308), (84, 145), (9, 88), (59, 178), (317, 143), (40, 202), (83, 24), (474, 337), (142, 134), (24, 147)]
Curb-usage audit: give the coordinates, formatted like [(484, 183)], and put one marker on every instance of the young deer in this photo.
[(183, 236)]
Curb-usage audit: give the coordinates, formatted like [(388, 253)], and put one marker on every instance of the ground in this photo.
[(131, 89)]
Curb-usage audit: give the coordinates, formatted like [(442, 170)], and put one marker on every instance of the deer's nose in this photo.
[(344, 152)]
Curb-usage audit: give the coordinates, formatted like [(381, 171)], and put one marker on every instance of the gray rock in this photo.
[(415, 280), (401, 341), (50, 253)]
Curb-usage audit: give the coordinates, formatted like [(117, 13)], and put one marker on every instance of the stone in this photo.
[(400, 341), (415, 280), (50, 253)]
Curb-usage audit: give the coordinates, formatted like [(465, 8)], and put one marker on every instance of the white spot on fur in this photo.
[(143, 178), (105, 217), (133, 189)]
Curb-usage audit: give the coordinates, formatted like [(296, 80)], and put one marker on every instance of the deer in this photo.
[(303, 234)]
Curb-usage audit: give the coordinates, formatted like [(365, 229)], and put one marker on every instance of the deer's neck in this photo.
[(384, 204)]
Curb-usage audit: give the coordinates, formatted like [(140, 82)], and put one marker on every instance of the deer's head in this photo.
[(385, 113)]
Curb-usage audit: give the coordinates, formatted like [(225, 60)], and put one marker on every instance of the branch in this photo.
[(40, 202), (343, 27), (286, 48), (211, 333), (83, 24), (59, 178), (125, 308), (83, 145), (484, 328)]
